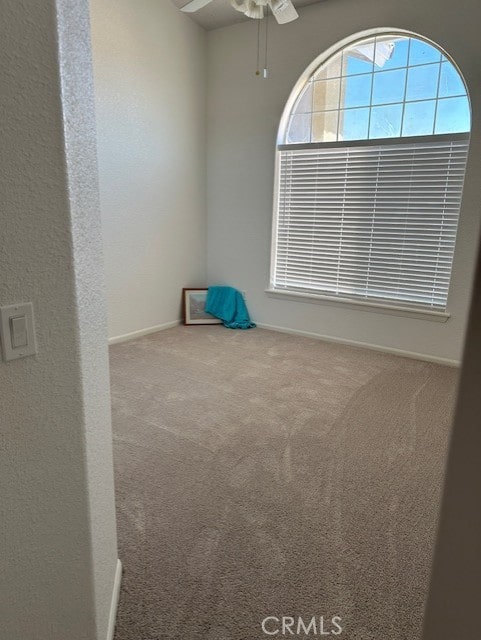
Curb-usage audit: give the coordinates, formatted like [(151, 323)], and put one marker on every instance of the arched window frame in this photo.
[(391, 305)]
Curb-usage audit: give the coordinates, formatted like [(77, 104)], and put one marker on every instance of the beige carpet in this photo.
[(260, 474)]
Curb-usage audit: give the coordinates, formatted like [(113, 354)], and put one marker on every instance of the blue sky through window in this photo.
[(381, 87)]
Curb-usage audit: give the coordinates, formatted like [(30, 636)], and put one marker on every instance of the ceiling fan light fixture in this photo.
[(254, 10)]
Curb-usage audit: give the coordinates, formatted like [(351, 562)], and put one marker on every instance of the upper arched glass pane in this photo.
[(385, 86)]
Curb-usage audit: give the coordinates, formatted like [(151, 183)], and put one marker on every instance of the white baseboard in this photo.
[(115, 601), (364, 345), (143, 332)]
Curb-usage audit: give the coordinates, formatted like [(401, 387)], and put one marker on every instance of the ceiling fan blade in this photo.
[(283, 10), (195, 5)]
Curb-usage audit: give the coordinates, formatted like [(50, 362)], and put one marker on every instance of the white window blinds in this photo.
[(370, 221)]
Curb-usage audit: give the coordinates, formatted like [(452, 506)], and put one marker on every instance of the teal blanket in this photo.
[(228, 304)]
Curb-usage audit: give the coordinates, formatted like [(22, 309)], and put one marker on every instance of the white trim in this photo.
[(364, 345), (378, 142), (361, 305), (115, 601), (143, 332)]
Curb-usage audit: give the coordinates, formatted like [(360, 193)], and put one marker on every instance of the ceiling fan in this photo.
[(283, 10)]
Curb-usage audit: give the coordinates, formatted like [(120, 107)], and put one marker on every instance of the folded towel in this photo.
[(228, 304)]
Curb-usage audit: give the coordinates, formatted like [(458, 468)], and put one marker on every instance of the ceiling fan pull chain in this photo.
[(258, 73), (266, 71)]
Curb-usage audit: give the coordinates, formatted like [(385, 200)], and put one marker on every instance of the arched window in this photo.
[(372, 152)]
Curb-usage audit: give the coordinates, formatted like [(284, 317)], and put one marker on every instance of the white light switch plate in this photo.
[(17, 328)]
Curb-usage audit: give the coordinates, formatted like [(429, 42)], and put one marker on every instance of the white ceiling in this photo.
[(219, 13)]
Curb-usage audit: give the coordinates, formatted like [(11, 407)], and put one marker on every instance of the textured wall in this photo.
[(80, 141), (56, 468), (149, 66), (243, 117)]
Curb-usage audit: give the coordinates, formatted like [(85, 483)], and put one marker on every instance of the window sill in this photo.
[(373, 307)]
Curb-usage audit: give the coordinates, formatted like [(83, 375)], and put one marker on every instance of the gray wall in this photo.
[(455, 590), (243, 117), (150, 80), (59, 554)]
